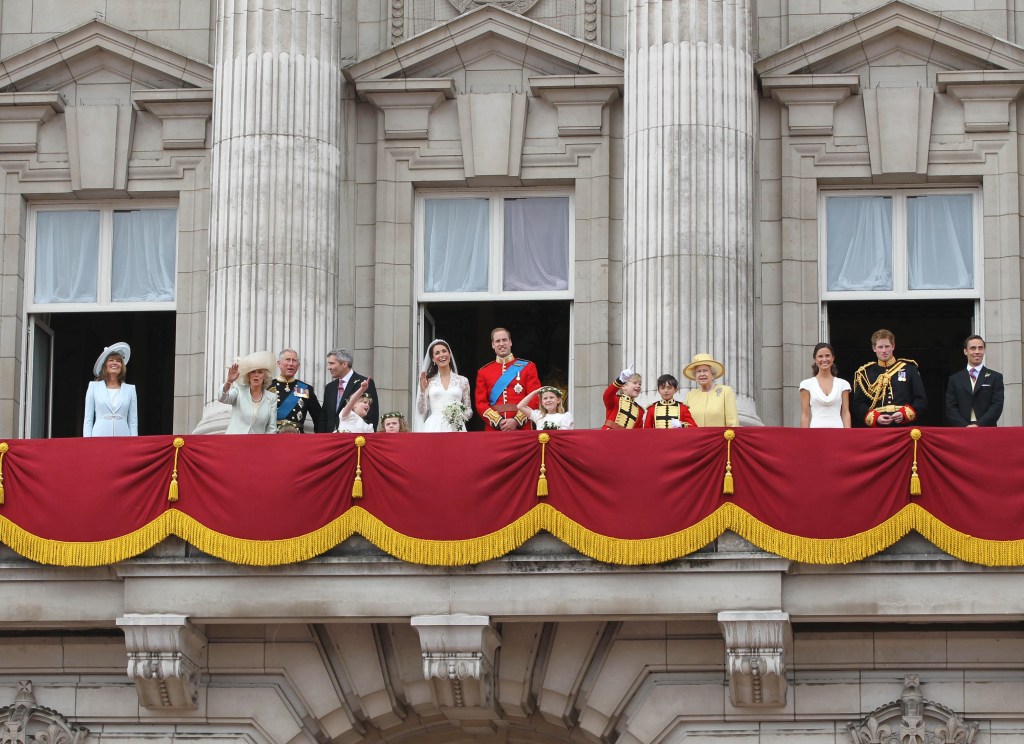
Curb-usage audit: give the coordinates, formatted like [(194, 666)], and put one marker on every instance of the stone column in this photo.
[(275, 216), (690, 113)]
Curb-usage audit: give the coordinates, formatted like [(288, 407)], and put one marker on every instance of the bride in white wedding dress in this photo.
[(441, 389)]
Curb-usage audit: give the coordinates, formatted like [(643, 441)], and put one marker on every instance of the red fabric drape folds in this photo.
[(823, 496)]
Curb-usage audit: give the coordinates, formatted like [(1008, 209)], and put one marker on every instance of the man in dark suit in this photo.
[(974, 395), (339, 364)]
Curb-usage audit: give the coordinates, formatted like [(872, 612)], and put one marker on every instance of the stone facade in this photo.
[(296, 141)]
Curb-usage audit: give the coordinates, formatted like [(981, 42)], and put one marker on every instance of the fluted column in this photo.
[(690, 113), (276, 183)]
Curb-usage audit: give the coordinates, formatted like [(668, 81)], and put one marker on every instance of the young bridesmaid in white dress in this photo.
[(824, 398)]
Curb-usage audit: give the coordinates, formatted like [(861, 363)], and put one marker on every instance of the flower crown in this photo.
[(392, 414), (551, 389)]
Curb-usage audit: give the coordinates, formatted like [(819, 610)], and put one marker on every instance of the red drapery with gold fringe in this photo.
[(817, 496)]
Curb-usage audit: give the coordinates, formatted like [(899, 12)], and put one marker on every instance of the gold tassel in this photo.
[(172, 491), (727, 487), (915, 480), (542, 481), (3, 450), (357, 484)]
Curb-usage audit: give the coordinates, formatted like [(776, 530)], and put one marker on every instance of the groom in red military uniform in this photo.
[(501, 384)]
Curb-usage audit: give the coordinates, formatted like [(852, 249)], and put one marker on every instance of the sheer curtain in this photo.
[(143, 256), (536, 247), (940, 241), (859, 243), (455, 245), (67, 255)]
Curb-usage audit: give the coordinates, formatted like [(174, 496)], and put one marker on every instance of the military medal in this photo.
[(518, 388)]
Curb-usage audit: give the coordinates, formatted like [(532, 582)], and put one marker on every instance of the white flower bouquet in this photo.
[(455, 415)]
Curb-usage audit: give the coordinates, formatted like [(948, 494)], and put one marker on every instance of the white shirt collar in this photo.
[(344, 380)]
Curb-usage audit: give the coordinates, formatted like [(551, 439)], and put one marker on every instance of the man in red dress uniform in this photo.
[(501, 384)]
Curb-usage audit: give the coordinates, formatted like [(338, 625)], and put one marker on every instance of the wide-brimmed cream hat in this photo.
[(122, 349), (703, 360), (252, 362)]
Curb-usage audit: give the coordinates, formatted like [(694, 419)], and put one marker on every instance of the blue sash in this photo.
[(288, 404), (511, 373)]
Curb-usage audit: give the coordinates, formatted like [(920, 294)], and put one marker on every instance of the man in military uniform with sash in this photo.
[(295, 398), (888, 391), (501, 384)]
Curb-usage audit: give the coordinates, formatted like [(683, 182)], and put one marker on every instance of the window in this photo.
[(103, 258), (515, 245), (900, 242)]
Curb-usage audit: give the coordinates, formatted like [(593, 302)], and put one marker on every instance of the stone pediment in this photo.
[(488, 38), (97, 52), (893, 35)]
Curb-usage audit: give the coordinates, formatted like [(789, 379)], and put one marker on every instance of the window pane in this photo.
[(940, 241), (455, 234), (143, 255), (536, 246), (859, 243), (67, 256)]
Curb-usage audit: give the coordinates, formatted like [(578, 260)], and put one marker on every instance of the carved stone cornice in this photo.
[(912, 720), (579, 100), (165, 656), (986, 96), (458, 661), (183, 114), (25, 722), (811, 99), (406, 103), (21, 115), (756, 647)]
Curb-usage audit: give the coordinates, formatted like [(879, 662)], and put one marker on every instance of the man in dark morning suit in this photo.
[(974, 395), (339, 364)]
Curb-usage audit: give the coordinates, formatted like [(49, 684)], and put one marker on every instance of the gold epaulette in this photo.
[(908, 361)]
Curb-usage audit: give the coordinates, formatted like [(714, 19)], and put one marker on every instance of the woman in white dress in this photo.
[(111, 408), (249, 392), (443, 401), (824, 398), (552, 413)]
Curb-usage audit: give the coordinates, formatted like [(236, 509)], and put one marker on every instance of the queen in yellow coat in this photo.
[(710, 404)]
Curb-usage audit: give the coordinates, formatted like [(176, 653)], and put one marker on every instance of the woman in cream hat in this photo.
[(710, 404), (248, 392), (111, 408)]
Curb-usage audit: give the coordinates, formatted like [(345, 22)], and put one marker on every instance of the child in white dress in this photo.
[(350, 419), (552, 413)]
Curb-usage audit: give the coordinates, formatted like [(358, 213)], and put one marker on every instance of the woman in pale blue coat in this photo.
[(249, 392), (111, 408)]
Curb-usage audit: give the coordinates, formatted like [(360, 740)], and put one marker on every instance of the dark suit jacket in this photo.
[(986, 399), (331, 406)]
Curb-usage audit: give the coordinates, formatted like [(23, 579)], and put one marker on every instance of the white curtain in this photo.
[(67, 255), (455, 238), (143, 255), (860, 243), (536, 247), (940, 241)]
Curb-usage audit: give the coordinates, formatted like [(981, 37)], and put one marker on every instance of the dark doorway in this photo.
[(540, 333), (78, 338), (931, 332)]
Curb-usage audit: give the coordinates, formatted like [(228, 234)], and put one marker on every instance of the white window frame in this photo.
[(103, 302), (900, 279), (495, 259)]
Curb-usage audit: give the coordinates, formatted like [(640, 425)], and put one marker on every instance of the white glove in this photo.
[(625, 374), (675, 424)]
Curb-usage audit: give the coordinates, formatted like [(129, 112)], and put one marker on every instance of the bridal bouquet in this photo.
[(455, 415)]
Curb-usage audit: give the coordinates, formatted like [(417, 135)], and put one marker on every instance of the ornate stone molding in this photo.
[(183, 114), (516, 6), (458, 661), (24, 722), (986, 96), (756, 647), (165, 655), (912, 720)]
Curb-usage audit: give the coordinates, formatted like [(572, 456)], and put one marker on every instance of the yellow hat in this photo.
[(703, 360)]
